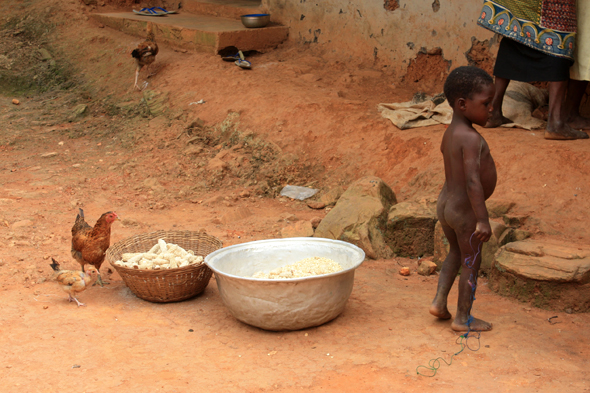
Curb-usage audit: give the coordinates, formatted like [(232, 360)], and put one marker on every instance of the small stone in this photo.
[(15, 101), (404, 271), (316, 205), (315, 222), (426, 268)]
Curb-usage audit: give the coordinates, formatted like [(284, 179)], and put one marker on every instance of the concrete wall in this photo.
[(376, 32)]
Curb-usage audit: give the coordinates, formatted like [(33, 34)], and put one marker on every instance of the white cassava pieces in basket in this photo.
[(161, 256), (313, 266)]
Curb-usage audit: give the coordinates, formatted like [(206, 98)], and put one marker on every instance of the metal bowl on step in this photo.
[(284, 304), (256, 20)]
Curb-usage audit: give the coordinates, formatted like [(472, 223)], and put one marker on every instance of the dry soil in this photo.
[(295, 118)]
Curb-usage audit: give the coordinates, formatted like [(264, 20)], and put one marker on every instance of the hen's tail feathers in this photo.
[(80, 217), (55, 265)]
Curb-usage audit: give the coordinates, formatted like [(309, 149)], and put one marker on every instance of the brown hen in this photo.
[(89, 244), (145, 53), (73, 282)]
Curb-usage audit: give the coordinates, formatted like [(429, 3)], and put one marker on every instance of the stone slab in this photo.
[(545, 262), (202, 33), (547, 275)]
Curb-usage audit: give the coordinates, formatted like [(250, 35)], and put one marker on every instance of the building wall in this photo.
[(389, 33)]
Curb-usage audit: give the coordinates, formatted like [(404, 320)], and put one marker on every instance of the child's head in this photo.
[(464, 82)]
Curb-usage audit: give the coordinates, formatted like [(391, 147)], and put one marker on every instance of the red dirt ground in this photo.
[(315, 123)]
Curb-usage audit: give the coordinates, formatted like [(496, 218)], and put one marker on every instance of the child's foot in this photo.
[(440, 311), (476, 325), (496, 120)]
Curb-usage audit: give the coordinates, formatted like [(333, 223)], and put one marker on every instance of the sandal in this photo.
[(231, 57), (163, 10), (242, 62), (153, 11)]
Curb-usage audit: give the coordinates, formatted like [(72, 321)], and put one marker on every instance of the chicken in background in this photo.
[(90, 244), (73, 282), (145, 53)]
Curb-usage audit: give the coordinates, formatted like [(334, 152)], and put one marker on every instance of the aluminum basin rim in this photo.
[(287, 240)]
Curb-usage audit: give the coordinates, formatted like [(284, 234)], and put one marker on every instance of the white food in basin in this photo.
[(313, 266)]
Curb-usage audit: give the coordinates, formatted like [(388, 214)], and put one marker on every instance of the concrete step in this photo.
[(231, 9), (202, 33)]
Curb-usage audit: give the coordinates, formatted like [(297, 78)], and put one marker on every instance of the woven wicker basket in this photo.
[(167, 285)]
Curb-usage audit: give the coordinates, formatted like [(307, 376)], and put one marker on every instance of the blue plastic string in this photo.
[(462, 340)]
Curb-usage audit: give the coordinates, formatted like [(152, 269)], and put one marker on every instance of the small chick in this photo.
[(76, 281)]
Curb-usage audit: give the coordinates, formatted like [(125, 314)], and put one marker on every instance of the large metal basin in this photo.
[(285, 304)]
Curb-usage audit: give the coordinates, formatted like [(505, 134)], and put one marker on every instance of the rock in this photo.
[(22, 223), (426, 268), (410, 228), (315, 222), (490, 247), (238, 214), (359, 217), (153, 184), (297, 229), (498, 207), (155, 101), (331, 197), (192, 150), (316, 205), (404, 271), (513, 235), (49, 155), (287, 217), (262, 188), (78, 112), (245, 194), (45, 55), (15, 101), (441, 245), (550, 275), (515, 221)]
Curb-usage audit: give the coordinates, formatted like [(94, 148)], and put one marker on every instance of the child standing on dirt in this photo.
[(470, 179)]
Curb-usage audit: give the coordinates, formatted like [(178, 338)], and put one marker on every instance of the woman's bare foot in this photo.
[(440, 311), (496, 120), (579, 123), (563, 132), (476, 325)]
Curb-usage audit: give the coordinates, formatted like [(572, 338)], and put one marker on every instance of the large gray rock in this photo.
[(410, 228), (549, 275), (360, 216)]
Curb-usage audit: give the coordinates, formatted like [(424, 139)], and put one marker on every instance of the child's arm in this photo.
[(471, 167)]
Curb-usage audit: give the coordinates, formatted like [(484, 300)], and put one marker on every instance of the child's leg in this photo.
[(448, 273), (471, 261)]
